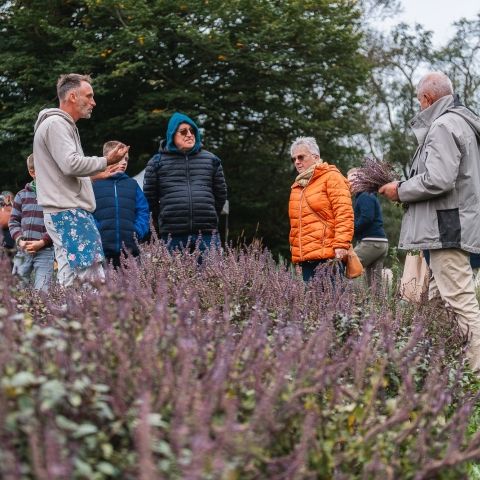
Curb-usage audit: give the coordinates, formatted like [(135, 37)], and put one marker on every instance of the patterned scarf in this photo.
[(304, 177)]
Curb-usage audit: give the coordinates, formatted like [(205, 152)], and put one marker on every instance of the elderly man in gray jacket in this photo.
[(442, 195)]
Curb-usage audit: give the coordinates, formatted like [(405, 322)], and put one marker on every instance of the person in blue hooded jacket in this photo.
[(185, 187), (122, 214)]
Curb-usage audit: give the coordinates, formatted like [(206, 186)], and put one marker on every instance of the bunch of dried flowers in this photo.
[(371, 175)]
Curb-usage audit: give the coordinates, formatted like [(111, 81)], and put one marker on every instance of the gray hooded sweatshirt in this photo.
[(61, 169), (442, 192)]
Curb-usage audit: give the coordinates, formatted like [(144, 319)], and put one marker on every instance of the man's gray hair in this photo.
[(437, 84), (309, 142), (70, 81)]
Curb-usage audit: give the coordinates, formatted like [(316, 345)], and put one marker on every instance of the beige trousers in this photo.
[(453, 280)]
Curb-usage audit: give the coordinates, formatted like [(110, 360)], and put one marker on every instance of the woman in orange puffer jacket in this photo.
[(320, 209)]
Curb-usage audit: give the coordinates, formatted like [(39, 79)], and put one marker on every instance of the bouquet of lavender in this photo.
[(371, 175)]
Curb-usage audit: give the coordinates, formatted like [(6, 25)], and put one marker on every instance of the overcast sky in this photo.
[(436, 15)]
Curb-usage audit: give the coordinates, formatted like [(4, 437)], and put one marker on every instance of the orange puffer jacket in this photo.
[(327, 194)]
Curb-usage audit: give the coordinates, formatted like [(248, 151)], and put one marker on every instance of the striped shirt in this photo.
[(26, 220)]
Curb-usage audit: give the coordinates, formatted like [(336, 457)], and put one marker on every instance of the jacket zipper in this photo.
[(300, 222), (189, 194), (300, 225), (117, 226)]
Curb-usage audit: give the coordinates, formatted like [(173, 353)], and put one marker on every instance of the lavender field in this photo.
[(230, 370)]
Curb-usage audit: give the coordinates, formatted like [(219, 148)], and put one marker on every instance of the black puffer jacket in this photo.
[(185, 192)]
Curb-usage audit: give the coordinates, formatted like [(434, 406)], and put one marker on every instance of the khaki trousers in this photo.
[(372, 254), (453, 279)]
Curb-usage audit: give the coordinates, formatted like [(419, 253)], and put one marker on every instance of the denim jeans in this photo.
[(40, 263), (189, 242)]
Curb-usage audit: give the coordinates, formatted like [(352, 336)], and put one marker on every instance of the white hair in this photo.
[(437, 84), (309, 142)]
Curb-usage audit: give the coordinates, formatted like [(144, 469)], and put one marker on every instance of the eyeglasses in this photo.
[(185, 131), (300, 158)]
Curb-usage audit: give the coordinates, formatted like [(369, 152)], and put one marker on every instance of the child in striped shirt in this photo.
[(35, 252)]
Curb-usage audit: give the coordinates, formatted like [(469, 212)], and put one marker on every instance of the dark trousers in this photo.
[(309, 267)]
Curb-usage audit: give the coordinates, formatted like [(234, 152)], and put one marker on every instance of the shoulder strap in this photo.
[(477, 134), (457, 103), (157, 157)]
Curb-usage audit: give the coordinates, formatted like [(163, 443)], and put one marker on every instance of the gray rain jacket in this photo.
[(442, 192)]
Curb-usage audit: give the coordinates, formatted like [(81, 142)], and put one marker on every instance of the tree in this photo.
[(460, 59), (397, 61), (254, 73)]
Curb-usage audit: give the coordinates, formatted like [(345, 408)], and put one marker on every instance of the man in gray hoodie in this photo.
[(64, 188), (442, 197)]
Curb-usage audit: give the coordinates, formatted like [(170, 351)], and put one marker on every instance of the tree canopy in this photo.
[(254, 74)]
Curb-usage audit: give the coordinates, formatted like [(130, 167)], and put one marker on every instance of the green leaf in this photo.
[(65, 424), (106, 468), (83, 468), (84, 430)]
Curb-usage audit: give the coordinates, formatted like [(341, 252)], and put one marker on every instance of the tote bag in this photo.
[(415, 277)]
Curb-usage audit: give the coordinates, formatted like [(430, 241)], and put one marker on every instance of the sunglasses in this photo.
[(301, 158), (185, 131)]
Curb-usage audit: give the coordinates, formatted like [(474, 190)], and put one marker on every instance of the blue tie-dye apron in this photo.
[(80, 237)]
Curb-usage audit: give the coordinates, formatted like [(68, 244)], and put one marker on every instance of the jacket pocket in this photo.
[(449, 227)]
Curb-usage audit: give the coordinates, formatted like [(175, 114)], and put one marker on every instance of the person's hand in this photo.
[(21, 244), (340, 253), (115, 155), (390, 191), (32, 246)]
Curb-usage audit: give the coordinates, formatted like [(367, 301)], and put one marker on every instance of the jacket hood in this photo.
[(114, 176), (175, 120), (422, 122), (324, 168), (48, 112), (119, 176), (320, 169), (470, 117)]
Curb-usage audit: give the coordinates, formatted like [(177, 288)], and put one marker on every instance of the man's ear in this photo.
[(429, 98)]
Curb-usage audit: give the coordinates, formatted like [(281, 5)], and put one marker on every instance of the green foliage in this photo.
[(254, 73)]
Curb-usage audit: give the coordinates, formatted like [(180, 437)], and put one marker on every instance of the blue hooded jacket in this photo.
[(122, 213), (175, 120)]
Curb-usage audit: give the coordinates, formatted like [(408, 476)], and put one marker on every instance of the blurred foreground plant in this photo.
[(232, 369)]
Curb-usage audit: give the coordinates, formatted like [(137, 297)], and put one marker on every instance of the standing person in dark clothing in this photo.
[(122, 215), (185, 187), (371, 241)]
